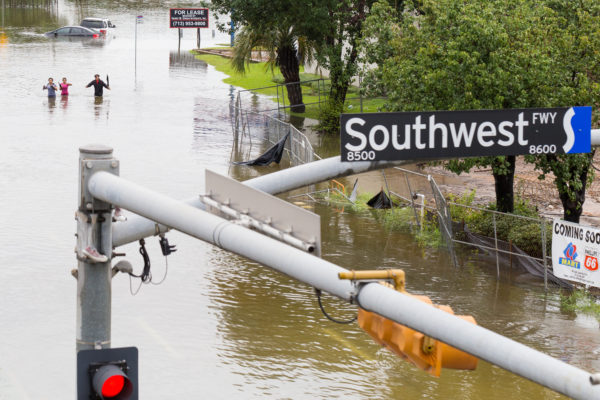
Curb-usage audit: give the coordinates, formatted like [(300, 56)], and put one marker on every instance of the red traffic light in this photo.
[(111, 382), (113, 386), (108, 374)]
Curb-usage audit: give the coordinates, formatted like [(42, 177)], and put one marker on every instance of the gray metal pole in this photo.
[(322, 274), (412, 201), (137, 227), (94, 230), (496, 246), (544, 255), (135, 50), (595, 137)]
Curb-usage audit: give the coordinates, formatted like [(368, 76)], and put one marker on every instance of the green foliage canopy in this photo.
[(453, 55)]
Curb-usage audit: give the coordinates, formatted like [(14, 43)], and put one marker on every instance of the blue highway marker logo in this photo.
[(456, 134)]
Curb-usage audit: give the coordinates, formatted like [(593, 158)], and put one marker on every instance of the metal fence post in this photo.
[(543, 226), (319, 91), (388, 190), (412, 200), (444, 218), (277, 88), (496, 245), (94, 231), (360, 92)]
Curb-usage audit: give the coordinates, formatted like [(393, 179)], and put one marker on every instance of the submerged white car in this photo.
[(100, 24)]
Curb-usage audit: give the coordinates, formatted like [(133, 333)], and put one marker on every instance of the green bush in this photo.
[(483, 222), (528, 238), (399, 219), (402, 219), (329, 118), (580, 300), (525, 234), (458, 213)]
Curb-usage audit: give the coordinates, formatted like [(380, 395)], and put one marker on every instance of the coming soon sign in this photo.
[(575, 252), (458, 134)]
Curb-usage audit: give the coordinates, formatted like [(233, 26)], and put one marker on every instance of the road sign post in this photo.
[(138, 20), (94, 234), (457, 134)]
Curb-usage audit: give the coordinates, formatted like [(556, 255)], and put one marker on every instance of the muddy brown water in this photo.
[(220, 326)]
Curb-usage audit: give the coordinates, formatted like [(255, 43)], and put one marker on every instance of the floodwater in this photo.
[(219, 326)]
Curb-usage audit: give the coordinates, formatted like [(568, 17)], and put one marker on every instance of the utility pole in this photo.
[(135, 49), (94, 232), (179, 34), (138, 20)]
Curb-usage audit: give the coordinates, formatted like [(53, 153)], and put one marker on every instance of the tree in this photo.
[(338, 51), (328, 29), (457, 55), (276, 28), (574, 36), (280, 46), (572, 174)]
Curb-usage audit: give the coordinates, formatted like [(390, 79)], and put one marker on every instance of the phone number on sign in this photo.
[(193, 24)]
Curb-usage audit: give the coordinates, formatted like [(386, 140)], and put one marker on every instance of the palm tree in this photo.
[(284, 49)]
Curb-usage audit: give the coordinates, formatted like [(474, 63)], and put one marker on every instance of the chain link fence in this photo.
[(536, 260), (248, 124)]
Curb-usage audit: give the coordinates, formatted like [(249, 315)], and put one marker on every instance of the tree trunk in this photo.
[(572, 209), (504, 184), (290, 69)]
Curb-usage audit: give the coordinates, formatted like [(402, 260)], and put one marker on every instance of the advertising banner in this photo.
[(188, 18), (575, 252), (459, 134)]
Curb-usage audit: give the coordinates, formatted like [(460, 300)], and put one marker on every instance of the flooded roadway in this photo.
[(219, 326)]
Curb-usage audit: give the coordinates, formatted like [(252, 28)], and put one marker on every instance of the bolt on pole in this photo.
[(94, 231)]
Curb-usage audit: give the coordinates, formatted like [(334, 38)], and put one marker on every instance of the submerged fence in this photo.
[(247, 124), (456, 231)]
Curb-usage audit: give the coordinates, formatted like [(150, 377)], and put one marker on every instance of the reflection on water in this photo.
[(51, 103), (24, 24), (101, 108), (185, 59)]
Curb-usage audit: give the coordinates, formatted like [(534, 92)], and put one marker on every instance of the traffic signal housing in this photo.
[(424, 352), (107, 374)]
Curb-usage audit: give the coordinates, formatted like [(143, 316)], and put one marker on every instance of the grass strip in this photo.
[(259, 75)]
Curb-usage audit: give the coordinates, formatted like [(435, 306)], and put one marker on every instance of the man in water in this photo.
[(98, 85)]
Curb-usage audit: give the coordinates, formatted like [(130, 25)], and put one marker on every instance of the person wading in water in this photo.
[(64, 87), (99, 85), (51, 87)]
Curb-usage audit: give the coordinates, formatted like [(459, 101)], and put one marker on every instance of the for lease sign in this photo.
[(575, 252), (457, 134), (188, 18)]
